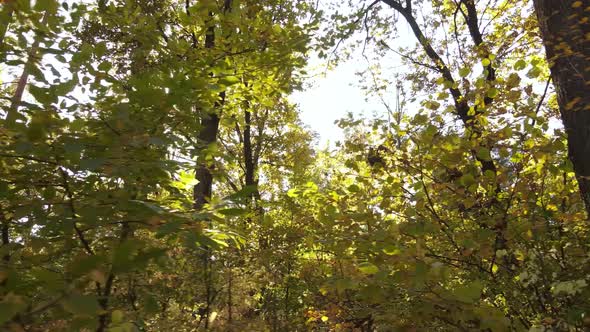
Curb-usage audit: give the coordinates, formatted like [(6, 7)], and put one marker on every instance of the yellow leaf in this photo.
[(324, 319), (577, 4)]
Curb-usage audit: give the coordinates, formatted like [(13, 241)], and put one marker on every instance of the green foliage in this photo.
[(471, 219)]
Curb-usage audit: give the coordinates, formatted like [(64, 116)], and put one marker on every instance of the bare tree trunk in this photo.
[(24, 78), (204, 189), (248, 160), (566, 35)]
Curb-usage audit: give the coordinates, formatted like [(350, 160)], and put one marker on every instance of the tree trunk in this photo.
[(204, 189), (5, 17), (248, 162), (209, 128), (5, 240), (207, 136), (12, 115), (566, 37)]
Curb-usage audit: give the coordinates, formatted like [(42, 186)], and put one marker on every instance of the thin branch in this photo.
[(188, 13), (70, 196), (541, 100), (409, 58), (6, 155)]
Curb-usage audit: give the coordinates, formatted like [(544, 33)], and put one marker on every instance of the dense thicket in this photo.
[(155, 177)]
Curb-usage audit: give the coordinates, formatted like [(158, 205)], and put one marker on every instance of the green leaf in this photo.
[(391, 250), (84, 264), (368, 268), (432, 105), (520, 65), (486, 62), (50, 6), (117, 316), (124, 256), (484, 154), (82, 305), (105, 66), (463, 72), (43, 95), (153, 207), (467, 179), (10, 306), (232, 212), (229, 80), (150, 304), (353, 188), (493, 93), (469, 292), (100, 49), (534, 72)]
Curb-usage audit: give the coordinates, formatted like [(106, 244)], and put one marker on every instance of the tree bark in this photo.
[(566, 37), (24, 78), (5, 239), (248, 161), (207, 136), (209, 127), (5, 18), (203, 173)]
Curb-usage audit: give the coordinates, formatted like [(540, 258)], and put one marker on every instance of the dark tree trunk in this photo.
[(203, 173), (209, 128), (6, 11), (248, 161), (5, 240), (206, 137), (567, 42)]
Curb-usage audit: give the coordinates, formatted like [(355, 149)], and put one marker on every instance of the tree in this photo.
[(445, 216), (565, 29), (107, 144), (155, 177)]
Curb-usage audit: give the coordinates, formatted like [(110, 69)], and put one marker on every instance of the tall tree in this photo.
[(565, 28), (6, 12)]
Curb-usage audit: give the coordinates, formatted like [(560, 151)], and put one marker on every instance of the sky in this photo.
[(332, 94), (330, 97)]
